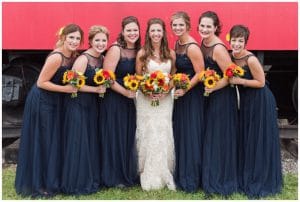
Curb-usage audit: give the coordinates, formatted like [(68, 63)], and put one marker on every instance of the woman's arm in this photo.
[(50, 67), (110, 63)]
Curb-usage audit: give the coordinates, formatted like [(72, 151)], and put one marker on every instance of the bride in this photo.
[(154, 134)]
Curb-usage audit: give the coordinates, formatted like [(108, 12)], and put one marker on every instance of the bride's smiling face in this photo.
[(156, 33)]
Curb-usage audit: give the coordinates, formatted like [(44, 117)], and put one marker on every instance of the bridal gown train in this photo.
[(154, 137)]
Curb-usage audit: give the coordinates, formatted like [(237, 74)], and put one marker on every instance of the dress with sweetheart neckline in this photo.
[(154, 137)]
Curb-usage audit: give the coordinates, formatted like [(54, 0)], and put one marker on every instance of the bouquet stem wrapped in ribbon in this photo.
[(181, 81), (210, 78), (104, 77), (233, 70), (156, 82), (75, 78)]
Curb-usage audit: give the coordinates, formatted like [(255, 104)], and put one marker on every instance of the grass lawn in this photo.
[(289, 192)]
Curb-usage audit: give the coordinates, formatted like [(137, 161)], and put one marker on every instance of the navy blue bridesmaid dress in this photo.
[(220, 141), (117, 115), (188, 125), (40, 151), (259, 148), (82, 148)]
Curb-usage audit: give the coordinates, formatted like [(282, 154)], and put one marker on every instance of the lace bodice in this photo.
[(154, 128), (165, 67)]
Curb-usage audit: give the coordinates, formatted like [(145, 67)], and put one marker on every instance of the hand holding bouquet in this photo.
[(75, 78), (156, 82), (210, 78), (181, 81), (233, 70), (105, 78)]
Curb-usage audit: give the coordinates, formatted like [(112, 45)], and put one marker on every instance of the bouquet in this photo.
[(104, 77), (233, 70), (210, 78), (181, 81), (75, 78), (155, 83), (132, 82)]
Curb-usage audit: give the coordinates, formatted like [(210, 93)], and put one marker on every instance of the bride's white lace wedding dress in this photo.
[(154, 136)]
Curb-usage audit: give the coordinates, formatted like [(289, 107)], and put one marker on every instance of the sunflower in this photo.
[(210, 82), (239, 71), (133, 85), (99, 78), (65, 78), (80, 82)]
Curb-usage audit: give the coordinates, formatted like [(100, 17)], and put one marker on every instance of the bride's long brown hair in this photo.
[(148, 48)]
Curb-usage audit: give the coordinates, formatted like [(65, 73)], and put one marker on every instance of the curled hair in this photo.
[(148, 48), (240, 31), (215, 18), (96, 29), (121, 41), (184, 16), (64, 31)]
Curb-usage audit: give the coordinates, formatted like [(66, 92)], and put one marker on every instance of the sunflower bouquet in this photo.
[(104, 77), (156, 82), (233, 70), (181, 81), (75, 78), (132, 82), (210, 78)]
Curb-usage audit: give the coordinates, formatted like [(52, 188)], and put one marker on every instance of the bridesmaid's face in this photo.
[(72, 41), (179, 27), (237, 44), (99, 42), (206, 28), (156, 33), (131, 33)]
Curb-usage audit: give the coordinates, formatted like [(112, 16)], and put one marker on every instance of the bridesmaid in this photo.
[(40, 151), (81, 162), (219, 146), (188, 116), (117, 113), (259, 148)]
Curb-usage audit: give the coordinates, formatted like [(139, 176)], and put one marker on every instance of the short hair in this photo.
[(240, 31)]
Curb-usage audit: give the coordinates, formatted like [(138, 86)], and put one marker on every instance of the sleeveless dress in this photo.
[(81, 162), (188, 124), (154, 129), (40, 151), (220, 140), (259, 148), (117, 115)]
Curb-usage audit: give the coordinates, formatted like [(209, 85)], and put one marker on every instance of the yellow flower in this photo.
[(210, 82), (99, 78), (80, 82), (201, 75), (65, 78), (133, 85), (239, 71), (227, 37)]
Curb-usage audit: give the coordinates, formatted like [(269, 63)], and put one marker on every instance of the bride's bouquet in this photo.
[(156, 82)]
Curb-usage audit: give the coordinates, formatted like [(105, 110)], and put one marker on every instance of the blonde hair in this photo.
[(184, 16), (96, 29)]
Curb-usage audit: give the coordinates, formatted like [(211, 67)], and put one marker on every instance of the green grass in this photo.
[(289, 192)]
